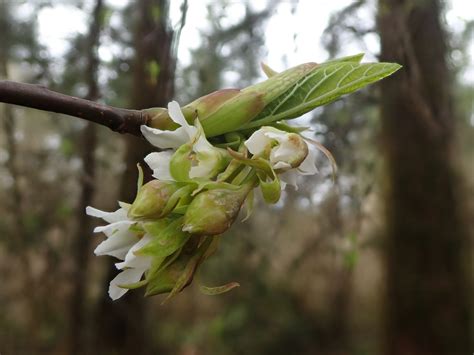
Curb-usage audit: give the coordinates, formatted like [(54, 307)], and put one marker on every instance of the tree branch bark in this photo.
[(41, 98)]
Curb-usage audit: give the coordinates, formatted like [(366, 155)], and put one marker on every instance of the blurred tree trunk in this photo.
[(77, 343), (122, 325), (428, 309), (20, 244)]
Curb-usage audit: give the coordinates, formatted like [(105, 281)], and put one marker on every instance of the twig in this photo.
[(41, 98)]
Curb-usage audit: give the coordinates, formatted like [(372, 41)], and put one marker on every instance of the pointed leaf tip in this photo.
[(269, 72)]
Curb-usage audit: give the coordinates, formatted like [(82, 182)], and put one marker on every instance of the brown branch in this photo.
[(38, 97)]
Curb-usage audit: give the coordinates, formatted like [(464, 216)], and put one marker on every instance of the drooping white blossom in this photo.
[(121, 243), (287, 152), (133, 267)]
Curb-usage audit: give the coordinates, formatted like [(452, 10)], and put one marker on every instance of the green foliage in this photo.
[(322, 85)]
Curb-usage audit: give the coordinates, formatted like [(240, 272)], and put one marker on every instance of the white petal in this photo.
[(110, 217), (276, 134), (208, 157), (289, 177), (174, 110), (126, 277), (202, 144), (117, 245), (203, 169), (308, 166), (111, 228), (136, 261), (160, 164), (283, 153), (257, 142), (165, 139)]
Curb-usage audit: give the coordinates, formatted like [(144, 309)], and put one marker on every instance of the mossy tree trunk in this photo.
[(428, 308)]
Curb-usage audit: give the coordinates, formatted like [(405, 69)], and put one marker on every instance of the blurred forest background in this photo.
[(379, 262)]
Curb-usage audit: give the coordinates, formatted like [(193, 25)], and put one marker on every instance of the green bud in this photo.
[(151, 200), (212, 212), (227, 110)]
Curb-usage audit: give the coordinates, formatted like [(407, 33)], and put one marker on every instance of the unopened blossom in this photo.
[(151, 200), (288, 153), (212, 212)]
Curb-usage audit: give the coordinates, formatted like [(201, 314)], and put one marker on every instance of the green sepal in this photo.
[(233, 140), (190, 268), (270, 187), (214, 185), (256, 162), (282, 126), (181, 197), (167, 237), (212, 212), (159, 264), (268, 179), (180, 164), (134, 285), (140, 177), (231, 170), (249, 205), (218, 290)]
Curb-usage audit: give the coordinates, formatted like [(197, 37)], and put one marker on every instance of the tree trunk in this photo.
[(123, 325), (81, 243), (428, 308)]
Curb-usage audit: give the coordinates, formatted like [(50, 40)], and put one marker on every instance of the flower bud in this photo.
[(226, 111), (292, 151), (284, 150), (151, 200), (212, 212)]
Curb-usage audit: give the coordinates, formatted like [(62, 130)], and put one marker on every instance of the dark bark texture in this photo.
[(428, 306), (41, 98)]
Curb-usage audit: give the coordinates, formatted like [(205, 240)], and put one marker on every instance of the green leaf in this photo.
[(212, 291), (352, 58), (324, 84)]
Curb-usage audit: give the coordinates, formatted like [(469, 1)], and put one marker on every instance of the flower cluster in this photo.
[(198, 189), (214, 152)]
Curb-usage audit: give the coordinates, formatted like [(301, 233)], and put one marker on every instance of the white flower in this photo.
[(119, 237), (121, 243), (287, 152), (307, 167), (133, 266), (207, 158), (171, 139)]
